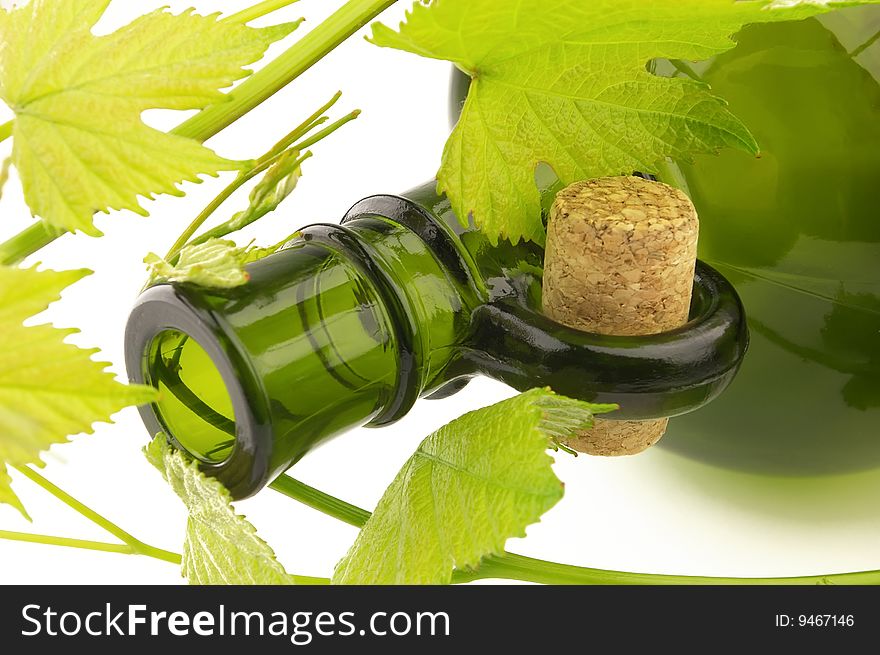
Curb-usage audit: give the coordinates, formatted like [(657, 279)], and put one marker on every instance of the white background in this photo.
[(654, 513)]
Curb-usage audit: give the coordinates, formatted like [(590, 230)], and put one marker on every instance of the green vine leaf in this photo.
[(216, 263), (565, 83), (48, 389), (469, 487), (221, 547), (80, 145)]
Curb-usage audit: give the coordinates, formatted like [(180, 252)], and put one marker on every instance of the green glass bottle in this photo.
[(350, 324), (798, 232)]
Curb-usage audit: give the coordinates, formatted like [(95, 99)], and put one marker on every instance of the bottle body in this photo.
[(796, 231)]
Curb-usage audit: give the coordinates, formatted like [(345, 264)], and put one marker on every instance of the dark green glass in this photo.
[(798, 232), (350, 324)]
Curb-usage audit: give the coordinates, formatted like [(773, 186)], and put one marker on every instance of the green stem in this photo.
[(316, 499), (259, 10), (309, 581), (136, 545), (66, 542), (254, 91), (263, 163), (669, 172), (867, 44), (4, 174), (26, 243), (237, 224), (317, 118), (511, 566), (518, 567), (6, 131), (301, 56), (213, 206), (327, 131), (686, 69)]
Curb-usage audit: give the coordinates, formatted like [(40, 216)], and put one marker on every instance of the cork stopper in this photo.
[(620, 260)]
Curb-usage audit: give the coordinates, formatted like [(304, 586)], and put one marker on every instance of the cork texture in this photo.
[(615, 438), (620, 260)]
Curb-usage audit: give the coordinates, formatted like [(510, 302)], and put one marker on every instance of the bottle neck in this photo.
[(348, 325)]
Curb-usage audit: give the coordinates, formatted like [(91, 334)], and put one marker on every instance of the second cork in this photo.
[(620, 260)]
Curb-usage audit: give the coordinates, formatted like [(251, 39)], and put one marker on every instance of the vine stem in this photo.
[(327, 131), (318, 500), (5, 131), (261, 165), (259, 10), (670, 173), (135, 546), (234, 224), (867, 44), (47, 540), (519, 567), (511, 566), (255, 90), (686, 69), (130, 545), (28, 241), (4, 174), (301, 56), (212, 207), (317, 118)]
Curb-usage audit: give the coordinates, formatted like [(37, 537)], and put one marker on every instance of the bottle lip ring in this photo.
[(409, 358), (436, 235), (433, 232), (167, 307)]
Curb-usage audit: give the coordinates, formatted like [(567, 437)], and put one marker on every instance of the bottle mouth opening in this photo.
[(194, 405), (211, 403)]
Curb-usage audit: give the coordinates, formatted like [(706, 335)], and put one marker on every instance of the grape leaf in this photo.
[(468, 488), (221, 547), (565, 83), (48, 389), (216, 263), (79, 143)]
